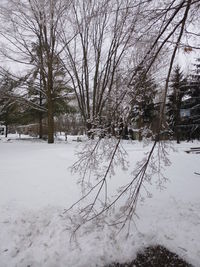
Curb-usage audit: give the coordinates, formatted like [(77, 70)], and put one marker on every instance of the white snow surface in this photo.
[(36, 185)]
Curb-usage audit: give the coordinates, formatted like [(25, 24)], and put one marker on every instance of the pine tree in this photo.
[(178, 90), (38, 110), (10, 109), (142, 100)]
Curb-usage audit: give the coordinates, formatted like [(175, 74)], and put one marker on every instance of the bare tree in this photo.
[(172, 19), (38, 23), (104, 34)]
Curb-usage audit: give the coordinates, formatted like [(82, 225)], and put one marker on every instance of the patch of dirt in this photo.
[(155, 256)]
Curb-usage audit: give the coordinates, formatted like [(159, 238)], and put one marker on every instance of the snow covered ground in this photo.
[(36, 185)]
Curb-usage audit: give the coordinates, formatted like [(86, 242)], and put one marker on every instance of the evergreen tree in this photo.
[(142, 101), (38, 109), (10, 109), (178, 90)]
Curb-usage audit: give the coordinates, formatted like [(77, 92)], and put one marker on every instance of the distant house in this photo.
[(30, 129), (190, 118), (185, 113), (190, 108)]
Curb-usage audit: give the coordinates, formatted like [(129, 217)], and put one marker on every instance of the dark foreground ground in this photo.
[(156, 256)]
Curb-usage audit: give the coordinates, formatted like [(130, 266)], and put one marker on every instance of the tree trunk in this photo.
[(139, 127), (40, 126), (50, 100), (90, 129), (50, 120), (40, 113), (177, 133), (177, 121), (6, 133)]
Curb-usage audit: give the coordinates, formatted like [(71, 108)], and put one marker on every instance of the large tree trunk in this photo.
[(40, 113), (50, 122), (90, 130), (50, 100)]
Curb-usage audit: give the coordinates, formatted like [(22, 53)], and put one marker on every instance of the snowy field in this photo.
[(36, 185)]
